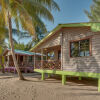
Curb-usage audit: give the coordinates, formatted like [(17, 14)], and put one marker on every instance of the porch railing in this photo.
[(48, 64), (23, 64)]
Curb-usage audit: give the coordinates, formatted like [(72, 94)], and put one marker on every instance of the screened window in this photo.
[(30, 58), (80, 48), (51, 55)]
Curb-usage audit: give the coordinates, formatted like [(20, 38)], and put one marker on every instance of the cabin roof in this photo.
[(22, 52), (95, 26)]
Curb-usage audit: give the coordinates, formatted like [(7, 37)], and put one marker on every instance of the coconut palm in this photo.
[(40, 33), (1, 59), (22, 46), (28, 14), (94, 13)]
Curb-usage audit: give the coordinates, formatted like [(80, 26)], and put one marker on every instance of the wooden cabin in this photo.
[(25, 60), (71, 50)]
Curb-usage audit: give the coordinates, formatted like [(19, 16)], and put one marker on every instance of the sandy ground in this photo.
[(51, 89)]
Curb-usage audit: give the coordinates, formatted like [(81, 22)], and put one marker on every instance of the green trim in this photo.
[(80, 78), (95, 26), (43, 76), (81, 74), (49, 75), (63, 79), (99, 84)]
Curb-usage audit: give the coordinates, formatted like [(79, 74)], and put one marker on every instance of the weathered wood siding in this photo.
[(81, 64), (52, 41)]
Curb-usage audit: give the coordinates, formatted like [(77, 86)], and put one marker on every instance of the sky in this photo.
[(71, 11)]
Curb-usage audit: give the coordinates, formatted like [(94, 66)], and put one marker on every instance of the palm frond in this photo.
[(94, 14)]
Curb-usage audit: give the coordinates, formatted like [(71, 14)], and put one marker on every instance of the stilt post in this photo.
[(42, 78), (63, 79), (98, 84), (48, 75), (80, 78)]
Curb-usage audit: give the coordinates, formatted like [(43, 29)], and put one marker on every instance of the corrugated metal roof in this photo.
[(24, 52)]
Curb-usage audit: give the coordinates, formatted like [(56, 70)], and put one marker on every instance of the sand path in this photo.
[(51, 89)]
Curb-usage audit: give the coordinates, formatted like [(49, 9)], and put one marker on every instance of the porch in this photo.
[(24, 62), (50, 58)]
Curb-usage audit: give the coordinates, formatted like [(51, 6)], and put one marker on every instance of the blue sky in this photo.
[(71, 11)]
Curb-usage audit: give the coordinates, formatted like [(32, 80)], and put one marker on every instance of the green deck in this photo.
[(82, 74), (69, 73)]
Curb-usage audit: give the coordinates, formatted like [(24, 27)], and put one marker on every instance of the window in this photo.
[(51, 55), (30, 58), (80, 48)]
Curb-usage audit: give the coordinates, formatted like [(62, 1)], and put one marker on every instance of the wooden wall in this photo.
[(52, 41), (81, 64)]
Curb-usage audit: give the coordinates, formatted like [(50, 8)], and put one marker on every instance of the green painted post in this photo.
[(98, 84), (42, 78), (63, 79), (80, 78), (48, 75)]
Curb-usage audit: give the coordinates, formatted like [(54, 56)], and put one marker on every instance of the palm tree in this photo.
[(22, 46), (94, 13), (28, 14), (1, 60), (40, 33)]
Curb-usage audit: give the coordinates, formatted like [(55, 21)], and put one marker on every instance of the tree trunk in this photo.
[(12, 48), (1, 64), (3, 69)]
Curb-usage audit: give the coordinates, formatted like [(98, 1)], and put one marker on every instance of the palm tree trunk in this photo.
[(1, 64), (3, 70), (12, 48)]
